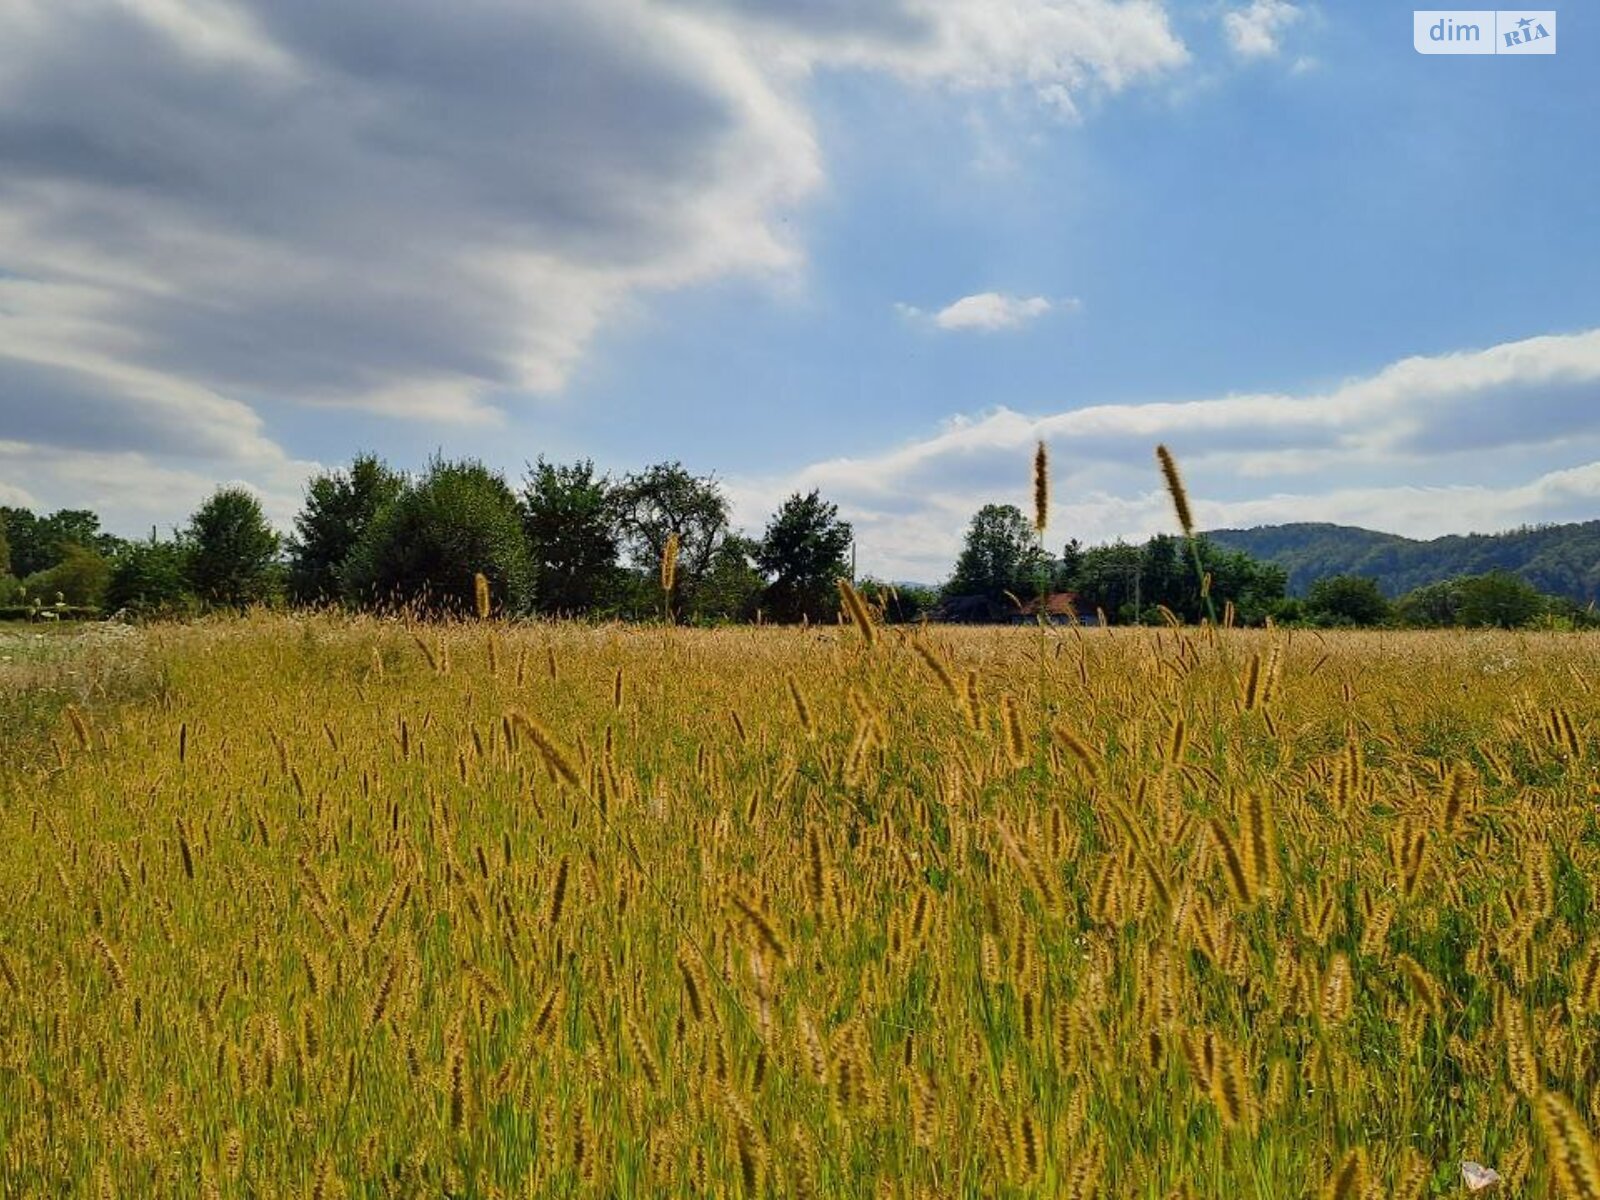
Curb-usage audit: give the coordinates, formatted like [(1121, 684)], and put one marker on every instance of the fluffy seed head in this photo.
[(1041, 489), (1180, 498)]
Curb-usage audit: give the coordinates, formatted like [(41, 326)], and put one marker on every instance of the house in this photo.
[(1058, 608), (972, 610)]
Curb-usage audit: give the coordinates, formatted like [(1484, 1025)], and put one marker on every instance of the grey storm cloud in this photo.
[(333, 199), (81, 411), (830, 18), (443, 191), (414, 208)]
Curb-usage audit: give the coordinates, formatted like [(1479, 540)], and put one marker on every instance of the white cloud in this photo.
[(1456, 426), (1254, 32), (265, 197), (986, 312), (1055, 47), (414, 209), (134, 491)]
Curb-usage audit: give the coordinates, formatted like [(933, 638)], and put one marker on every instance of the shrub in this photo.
[(424, 549), (1346, 600), (233, 552), (148, 580), (79, 578)]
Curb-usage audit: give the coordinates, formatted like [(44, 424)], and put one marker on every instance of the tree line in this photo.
[(1560, 560), (570, 541)]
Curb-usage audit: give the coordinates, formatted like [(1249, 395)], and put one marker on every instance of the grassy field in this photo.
[(306, 907)]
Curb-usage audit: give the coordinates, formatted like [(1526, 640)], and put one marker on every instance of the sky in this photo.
[(877, 248)]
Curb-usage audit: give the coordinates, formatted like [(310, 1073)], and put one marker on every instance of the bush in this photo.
[(424, 549), (79, 579), (1499, 599), (339, 506), (149, 580), (232, 556), (1346, 600)]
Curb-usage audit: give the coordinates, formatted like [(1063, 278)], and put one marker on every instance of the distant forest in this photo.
[(1558, 560)]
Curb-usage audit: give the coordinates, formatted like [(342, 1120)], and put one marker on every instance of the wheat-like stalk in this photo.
[(1569, 1146), (1041, 489), (480, 595), (1175, 490)]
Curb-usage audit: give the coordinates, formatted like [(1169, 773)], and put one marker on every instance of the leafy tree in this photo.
[(804, 553), (1130, 582), (1069, 567), (150, 579), (339, 506), (1498, 599), (1110, 578), (78, 578), (731, 588), (1567, 615), (1347, 600), (38, 543), (1432, 606), (666, 499), (425, 548), (899, 602), (233, 552), (1291, 610), (570, 516), (1254, 588), (5, 552), (1001, 555)]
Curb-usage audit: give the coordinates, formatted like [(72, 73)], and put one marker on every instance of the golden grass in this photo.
[(347, 908)]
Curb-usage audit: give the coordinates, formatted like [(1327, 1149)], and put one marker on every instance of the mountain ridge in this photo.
[(1559, 559)]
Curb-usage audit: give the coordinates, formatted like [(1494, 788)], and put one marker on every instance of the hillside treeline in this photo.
[(569, 541), (1560, 560)]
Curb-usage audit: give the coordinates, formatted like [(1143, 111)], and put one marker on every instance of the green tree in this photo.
[(233, 552), (5, 552), (1499, 599), (425, 548), (79, 578), (1130, 583), (899, 602), (339, 507), (1347, 600), (1434, 605), (38, 543), (731, 588), (1000, 555), (30, 551), (1254, 588), (804, 552), (1111, 579), (1069, 567), (150, 579), (666, 499), (570, 516)]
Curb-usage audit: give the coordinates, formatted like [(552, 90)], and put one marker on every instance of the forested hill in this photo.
[(1562, 560)]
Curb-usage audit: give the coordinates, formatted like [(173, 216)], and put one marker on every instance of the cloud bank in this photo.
[(415, 209), (1252, 459)]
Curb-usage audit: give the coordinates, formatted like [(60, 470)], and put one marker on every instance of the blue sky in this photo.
[(876, 249)]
